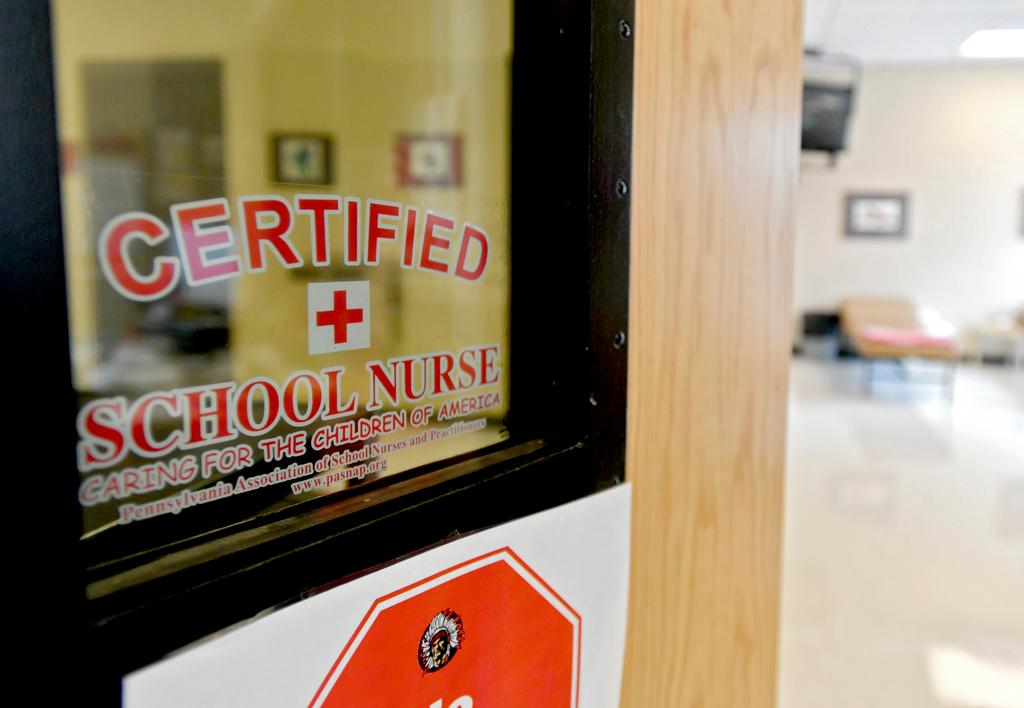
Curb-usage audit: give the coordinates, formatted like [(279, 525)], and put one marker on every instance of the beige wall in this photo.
[(953, 138)]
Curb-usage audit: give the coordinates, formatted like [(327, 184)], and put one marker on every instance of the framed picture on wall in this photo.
[(876, 214), (429, 160), (302, 159)]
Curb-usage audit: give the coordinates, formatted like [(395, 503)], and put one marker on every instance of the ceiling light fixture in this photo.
[(994, 44)]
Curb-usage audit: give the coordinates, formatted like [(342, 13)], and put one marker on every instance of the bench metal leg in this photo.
[(867, 379)]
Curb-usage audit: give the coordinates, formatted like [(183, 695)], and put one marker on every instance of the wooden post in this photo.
[(716, 157)]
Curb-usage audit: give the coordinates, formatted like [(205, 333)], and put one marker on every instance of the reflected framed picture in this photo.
[(302, 158), (876, 214), (429, 160)]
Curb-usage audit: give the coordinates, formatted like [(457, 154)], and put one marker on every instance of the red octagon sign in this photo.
[(487, 632)]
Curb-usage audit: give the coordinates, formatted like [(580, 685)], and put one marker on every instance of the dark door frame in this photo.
[(571, 138)]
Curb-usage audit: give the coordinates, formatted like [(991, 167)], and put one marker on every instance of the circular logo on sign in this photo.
[(441, 640)]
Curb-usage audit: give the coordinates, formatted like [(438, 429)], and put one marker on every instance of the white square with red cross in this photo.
[(339, 316)]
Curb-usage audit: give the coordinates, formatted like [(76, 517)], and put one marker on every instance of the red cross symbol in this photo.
[(339, 317)]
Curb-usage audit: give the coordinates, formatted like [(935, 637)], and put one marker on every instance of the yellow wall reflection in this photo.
[(161, 103)]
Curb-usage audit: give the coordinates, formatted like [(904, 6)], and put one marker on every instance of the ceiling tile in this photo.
[(904, 31)]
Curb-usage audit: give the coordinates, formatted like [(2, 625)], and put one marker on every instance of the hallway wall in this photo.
[(951, 137)]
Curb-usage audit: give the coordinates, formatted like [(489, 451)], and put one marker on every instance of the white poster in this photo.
[(529, 613)]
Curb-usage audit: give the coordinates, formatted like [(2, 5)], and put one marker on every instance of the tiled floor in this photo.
[(904, 548)]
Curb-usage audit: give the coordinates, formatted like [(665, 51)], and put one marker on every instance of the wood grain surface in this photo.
[(716, 148)]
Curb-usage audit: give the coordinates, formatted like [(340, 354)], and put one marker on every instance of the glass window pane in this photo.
[(287, 236)]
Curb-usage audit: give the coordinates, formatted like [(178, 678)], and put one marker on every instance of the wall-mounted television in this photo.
[(826, 115)]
